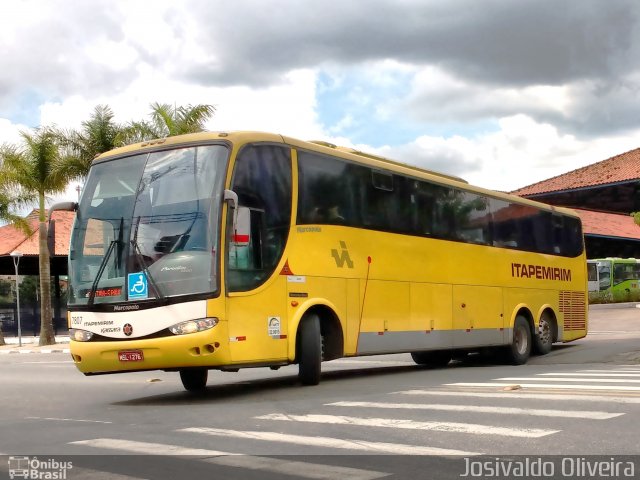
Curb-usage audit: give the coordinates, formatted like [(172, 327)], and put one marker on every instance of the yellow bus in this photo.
[(232, 250)]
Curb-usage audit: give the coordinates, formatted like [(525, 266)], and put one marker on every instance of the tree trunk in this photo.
[(2, 342), (46, 325)]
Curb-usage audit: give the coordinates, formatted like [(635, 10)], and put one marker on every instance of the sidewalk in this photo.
[(30, 345)]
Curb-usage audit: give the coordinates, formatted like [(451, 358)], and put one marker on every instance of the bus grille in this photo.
[(573, 306)]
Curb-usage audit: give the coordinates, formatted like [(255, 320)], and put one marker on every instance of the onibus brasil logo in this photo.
[(32, 468)]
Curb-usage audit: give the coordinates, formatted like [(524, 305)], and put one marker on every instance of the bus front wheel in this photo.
[(309, 350), (518, 352), (194, 379)]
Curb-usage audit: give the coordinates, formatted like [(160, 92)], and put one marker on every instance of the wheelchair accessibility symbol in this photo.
[(138, 287)]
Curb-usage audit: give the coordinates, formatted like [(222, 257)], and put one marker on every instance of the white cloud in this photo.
[(520, 153), (10, 132)]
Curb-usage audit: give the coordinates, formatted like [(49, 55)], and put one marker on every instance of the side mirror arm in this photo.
[(231, 199), (62, 206)]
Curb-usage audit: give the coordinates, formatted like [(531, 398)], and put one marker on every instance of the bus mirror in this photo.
[(51, 231)]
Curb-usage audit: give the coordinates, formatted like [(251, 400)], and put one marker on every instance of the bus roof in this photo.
[(350, 154)]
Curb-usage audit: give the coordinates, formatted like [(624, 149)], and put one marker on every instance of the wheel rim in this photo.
[(521, 340), (544, 331)]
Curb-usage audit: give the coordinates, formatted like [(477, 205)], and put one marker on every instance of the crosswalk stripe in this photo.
[(611, 371), (549, 385), (300, 469), (535, 396), (595, 380), (146, 448), (328, 442), (591, 415), (315, 471), (451, 427), (594, 374)]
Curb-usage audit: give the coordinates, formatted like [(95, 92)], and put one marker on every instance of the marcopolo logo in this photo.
[(342, 257), (33, 468)]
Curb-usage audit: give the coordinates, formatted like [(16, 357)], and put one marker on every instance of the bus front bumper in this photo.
[(202, 349)]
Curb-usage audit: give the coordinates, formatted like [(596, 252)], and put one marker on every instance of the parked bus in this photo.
[(233, 250), (614, 280)]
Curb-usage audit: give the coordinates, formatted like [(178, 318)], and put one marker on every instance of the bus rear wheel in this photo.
[(194, 379), (439, 358), (543, 340), (309, 350), (520, 349)]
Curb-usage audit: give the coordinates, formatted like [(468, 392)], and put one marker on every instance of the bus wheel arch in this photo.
[(546, 333)]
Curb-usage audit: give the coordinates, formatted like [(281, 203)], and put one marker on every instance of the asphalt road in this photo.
[(375, 417)]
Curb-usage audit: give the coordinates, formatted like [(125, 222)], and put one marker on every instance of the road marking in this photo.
[(595, 380), (65, 419), (452, 427), (594, 374), (328, 442), (591, 415), (515, 394), (314, 471), (612, 371), (298, 469), (548, 385), (145, 448)]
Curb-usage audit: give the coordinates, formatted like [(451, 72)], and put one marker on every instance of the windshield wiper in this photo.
[(103, 263), (143, 264)]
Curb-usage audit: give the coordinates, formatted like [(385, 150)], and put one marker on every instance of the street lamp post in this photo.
[(16, 260)]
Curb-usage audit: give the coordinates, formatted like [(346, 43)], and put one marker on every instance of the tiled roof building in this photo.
[(14, 240), (603, 194)]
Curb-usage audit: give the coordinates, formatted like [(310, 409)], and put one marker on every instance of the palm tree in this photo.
[(30, 172), (168, 121), (98, 134), (8, 203)]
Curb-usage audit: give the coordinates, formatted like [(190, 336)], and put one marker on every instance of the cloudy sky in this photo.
[(501, 92)]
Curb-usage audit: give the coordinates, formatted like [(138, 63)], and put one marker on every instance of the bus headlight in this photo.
[(80, 335), (193, 326)]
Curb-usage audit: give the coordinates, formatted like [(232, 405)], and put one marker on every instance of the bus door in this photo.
[(256, 303), (255, 308), (592, 272)]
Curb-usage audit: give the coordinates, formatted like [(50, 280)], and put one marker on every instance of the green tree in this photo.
[(31, 171), (168, 121), (99, 134)]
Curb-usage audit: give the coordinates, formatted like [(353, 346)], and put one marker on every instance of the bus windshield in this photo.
[(147, 227)]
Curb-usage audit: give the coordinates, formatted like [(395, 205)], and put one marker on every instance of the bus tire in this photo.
[(520, 349), (543, 339), (309, 350), (439, 358), (194, 379)]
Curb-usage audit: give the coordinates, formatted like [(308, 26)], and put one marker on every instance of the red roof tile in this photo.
[(620, 168), (12, 239), (608, 224)]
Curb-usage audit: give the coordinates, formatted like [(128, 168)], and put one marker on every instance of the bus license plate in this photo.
[(130, 356)]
